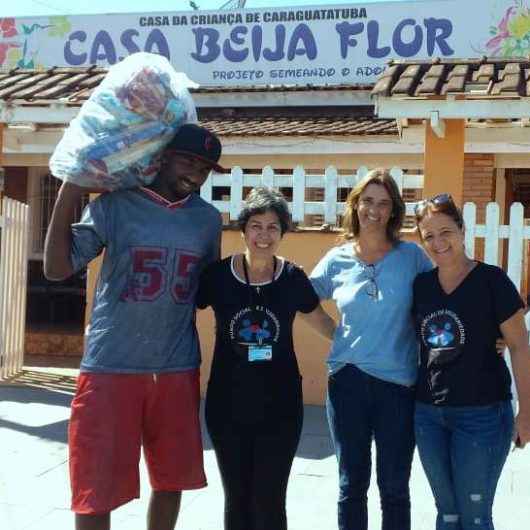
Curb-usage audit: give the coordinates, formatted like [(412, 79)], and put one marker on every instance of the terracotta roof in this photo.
[(40, 87), (296, 126), (273, 126), (488, 78), (74, 85)]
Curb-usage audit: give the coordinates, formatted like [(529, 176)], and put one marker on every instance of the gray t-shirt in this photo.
[(143, 319), (376, 330)]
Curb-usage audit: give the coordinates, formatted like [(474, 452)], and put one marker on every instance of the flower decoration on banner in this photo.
[(20, 43), (59, 27), (8, 28), (510, 37)]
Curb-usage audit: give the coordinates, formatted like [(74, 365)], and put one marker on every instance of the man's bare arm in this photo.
[(57, 264)]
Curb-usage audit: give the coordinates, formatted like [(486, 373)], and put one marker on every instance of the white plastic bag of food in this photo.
[(116, 139)]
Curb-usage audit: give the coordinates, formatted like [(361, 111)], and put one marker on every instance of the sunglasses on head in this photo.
[(437, 200)]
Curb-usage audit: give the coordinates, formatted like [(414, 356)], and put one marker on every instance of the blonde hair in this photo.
[(350, 220)]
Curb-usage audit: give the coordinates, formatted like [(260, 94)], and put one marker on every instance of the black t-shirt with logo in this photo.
[(255, 316), (459, 364)]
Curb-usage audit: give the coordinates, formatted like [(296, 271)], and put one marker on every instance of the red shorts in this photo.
[(113, 415)]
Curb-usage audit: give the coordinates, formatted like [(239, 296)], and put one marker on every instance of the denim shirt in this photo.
[(376, 330)]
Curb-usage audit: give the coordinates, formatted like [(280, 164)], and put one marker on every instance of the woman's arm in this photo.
[(516, 335), (321, 322)]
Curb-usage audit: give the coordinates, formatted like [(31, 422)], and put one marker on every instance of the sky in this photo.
[(28, 8)]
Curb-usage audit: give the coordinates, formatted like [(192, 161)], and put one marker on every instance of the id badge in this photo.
[(259, 353)]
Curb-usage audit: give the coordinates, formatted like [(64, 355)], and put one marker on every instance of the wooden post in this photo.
[(444, 161), (2, 172)]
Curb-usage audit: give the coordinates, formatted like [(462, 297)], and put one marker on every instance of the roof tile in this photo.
[(407, 81), (387, 80), (484, 78), (293, 126)]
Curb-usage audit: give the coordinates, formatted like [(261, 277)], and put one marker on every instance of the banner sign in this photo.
[(348, 43)]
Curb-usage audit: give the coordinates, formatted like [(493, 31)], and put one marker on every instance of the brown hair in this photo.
[(350, 219), (442, 203)]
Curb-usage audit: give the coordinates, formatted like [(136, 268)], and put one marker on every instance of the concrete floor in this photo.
[(34, 491)]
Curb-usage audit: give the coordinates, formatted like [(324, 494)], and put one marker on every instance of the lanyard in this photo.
[(250, 290)]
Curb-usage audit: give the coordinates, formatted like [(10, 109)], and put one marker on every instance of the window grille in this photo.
[(43, 202)]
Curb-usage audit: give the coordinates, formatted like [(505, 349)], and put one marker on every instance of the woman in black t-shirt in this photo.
[(464, 421), (254, 408)]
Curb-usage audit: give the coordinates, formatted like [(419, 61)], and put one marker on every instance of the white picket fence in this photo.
[(330, 207), (330, 182), (14, 225), (299, 181), (517, 234), (493, 232)]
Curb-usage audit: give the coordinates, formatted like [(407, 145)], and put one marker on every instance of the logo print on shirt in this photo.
[(260, 326), (254, 332), (441, 336), (442, 329)]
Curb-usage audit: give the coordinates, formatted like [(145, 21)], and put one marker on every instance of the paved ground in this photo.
[(34, 491)]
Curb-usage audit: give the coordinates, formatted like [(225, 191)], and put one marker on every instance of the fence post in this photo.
[(207, 187), (470, 216), (20, 272), (397, 174), (3, 289), (10, 283), (491, 247), (25, 229), (236, 192), (362, 171), (330, 195), (515, 245), (17, 285), (298, 195), (267, 177)]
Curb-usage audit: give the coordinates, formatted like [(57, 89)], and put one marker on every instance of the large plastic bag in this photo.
[(116, 139)]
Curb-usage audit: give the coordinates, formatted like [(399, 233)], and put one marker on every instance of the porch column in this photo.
[(444, 161)]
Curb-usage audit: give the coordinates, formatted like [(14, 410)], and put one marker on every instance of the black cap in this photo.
[(197, 142)]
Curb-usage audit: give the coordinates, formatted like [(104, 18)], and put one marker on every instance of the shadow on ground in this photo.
[(37, 404), (44, 390)]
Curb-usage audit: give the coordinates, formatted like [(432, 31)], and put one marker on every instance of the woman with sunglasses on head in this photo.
[(254, 407), (373, 359), (464, 420)]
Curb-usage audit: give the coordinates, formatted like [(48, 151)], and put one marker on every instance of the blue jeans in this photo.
[(463, 450), (361, 408)]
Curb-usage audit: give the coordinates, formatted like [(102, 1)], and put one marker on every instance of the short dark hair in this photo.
[(261, 200)]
